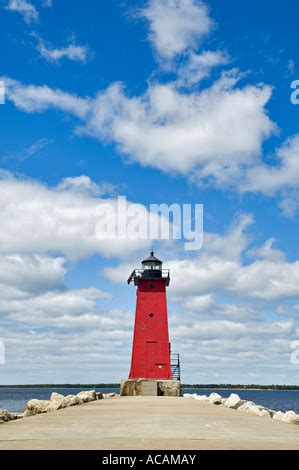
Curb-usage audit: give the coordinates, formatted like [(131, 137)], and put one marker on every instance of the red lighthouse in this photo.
[(152, 370), (151, 347)]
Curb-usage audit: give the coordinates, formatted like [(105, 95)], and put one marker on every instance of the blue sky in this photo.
[(165, 101)]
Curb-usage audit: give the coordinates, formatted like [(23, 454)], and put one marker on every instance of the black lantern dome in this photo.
[(151, 262), (151, 269)]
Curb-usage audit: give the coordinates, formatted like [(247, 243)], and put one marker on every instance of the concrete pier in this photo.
[(148, 423)]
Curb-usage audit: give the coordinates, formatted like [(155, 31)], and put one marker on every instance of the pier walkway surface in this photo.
[(148, 423)]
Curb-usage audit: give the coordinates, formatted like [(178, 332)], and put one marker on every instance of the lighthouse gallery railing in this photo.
[(150, 274)]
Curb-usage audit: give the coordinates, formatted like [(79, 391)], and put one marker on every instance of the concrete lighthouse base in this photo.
[(147, 387)]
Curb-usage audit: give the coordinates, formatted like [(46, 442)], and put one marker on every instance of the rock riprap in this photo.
[(58, 401), (6, 416), (234, 402), (290, 417)]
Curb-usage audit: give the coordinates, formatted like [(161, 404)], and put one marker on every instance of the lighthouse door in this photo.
[(151, 354)]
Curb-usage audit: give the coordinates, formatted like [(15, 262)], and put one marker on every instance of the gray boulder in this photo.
[(246, 406), (58, 398), (278, 416), (110, 395), (250, 407), (233, 401), (290, 417), (265, 412), (53, 406), (37, 406), (71, 400), (5, 416), (259, 411), (87, 396), (215, 399)]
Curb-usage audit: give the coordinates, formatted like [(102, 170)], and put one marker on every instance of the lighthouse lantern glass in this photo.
[(152, 263), (151, 266)]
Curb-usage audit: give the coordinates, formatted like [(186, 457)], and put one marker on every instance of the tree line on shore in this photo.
[(242, 386), (189, 386)]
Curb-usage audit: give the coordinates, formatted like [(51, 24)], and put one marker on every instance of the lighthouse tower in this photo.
[(152, 371)]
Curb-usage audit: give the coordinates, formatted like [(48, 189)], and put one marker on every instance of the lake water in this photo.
[(15, 399)]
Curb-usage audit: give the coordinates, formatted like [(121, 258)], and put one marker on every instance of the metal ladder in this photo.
[(175, 366)]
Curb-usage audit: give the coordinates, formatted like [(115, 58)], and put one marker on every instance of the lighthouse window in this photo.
[(151, 315)]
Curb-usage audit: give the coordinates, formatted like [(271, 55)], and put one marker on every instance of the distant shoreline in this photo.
[(186, 386)]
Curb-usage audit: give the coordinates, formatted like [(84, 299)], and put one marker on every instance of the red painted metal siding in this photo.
[(151, 350)]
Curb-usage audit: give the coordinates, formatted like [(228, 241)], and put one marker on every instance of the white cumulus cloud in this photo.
[(39, 219), (31, 98), (25, 8), (176, 25), (72, 52), (199, 66), (214, 131), (268, 179), (24, 275)]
